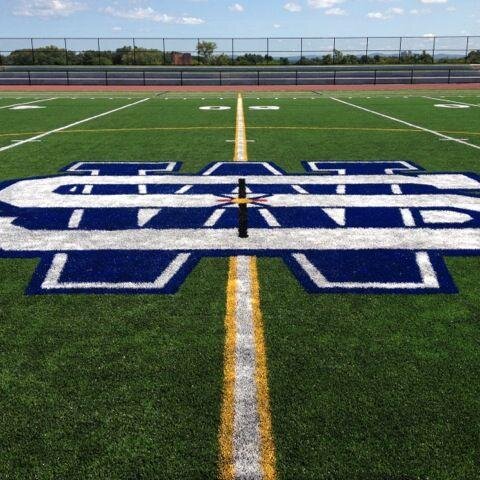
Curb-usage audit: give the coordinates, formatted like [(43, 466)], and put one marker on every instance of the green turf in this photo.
[(128, 387)]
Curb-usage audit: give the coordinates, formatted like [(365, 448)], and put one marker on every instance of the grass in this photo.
[(121, 387)]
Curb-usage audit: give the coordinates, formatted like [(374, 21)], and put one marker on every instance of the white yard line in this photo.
[(27, 103), (452, 101), (403, 122), (246, 423), (42, 135)]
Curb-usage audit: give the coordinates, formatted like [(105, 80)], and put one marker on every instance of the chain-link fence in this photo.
[(240, 51)]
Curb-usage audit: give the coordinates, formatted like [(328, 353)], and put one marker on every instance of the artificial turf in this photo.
[(121, 387)]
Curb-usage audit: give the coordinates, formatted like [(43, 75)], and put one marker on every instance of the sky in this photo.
[(242, 18)]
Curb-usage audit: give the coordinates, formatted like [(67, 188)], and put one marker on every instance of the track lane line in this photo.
[(403, 122), (27, 103), (50, 132)]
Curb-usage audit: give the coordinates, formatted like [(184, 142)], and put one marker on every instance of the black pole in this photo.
[(242, 209)]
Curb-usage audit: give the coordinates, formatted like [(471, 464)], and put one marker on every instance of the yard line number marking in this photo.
[(246, 443), (37, 137), (398, 120), (28, 103), (453, 101)]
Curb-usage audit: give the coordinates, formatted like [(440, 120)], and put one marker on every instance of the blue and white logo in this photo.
[(362, 227)]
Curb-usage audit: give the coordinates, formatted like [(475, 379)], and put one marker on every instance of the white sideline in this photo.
[(28, 103), (394, 119), (32, 139), (452, 101)]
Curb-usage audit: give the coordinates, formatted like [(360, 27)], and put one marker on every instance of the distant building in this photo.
[(181, 59)]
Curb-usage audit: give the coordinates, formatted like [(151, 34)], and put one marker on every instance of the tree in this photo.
[(473, 56), (92, 57), (205, 50), (141, 56)]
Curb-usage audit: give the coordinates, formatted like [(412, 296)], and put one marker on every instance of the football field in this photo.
[(286, 354)]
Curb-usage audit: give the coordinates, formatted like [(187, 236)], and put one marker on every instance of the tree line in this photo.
[(205, 55)]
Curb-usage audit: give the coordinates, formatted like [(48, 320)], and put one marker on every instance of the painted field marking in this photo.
[(241, 150), (37, 137), (453, 101), (448, 140), (28, 103), (451, 106), (403, 122), (246, 443), (200, 128)]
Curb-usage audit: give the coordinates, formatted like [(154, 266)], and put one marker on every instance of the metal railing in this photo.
[(239, 51), (235, 77)]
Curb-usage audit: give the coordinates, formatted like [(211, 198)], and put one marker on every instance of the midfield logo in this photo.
[(376, 227)]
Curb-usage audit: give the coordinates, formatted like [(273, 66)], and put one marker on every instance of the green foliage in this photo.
[(205, 51), (127, 55), (473, 56)]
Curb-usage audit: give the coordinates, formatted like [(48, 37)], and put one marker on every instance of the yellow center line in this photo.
[(192, 128), (245, 435), (227, 467), (268, 457)]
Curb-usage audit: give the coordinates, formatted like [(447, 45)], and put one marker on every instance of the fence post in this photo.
[(164, 53), (433, 49), (268, 48), (181, 78), (233, 50), (400, 49), (335, 77), (98, 44), (106, 77), (366, 50), (301, 48), (66, 51), (411, 76), (296, 77), (68, 77), (144, 80), (467, 48), (334, 54), (258, 77), (220, 77), (375, 77), (33, 51), (29, 78), (449, 74), (134, 53)]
